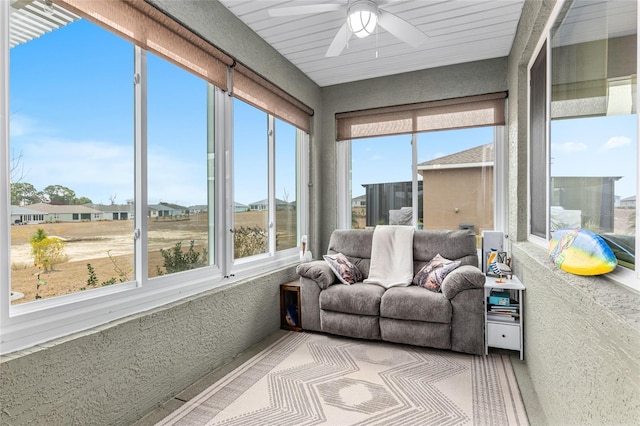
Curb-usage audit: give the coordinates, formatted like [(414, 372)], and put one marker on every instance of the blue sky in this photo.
[(72, 123)]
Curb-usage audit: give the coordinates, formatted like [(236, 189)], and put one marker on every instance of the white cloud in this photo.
[(175, 180), (615, 142), (101, 169), (93, 169), (569, 147), (22, 125)]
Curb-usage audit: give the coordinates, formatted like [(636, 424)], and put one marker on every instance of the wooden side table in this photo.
[(290, 306)]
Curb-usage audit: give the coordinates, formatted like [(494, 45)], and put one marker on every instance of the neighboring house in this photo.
[(240, 208), (592, 197), (628, 203), (200, 208), (458, 189), (360, 201), (167, 209), (115, 211), (383, 198), (177, 209), (26, 216), (264, 205), (66, 213)]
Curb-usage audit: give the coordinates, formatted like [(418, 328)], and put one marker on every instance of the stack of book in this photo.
[(506, 313), (500, 307)]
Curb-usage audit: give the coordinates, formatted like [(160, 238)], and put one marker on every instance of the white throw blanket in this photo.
[(391, 256)]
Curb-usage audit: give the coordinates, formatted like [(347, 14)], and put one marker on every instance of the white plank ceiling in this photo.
[(459, 31)]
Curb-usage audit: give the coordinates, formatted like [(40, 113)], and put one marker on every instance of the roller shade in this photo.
[(457, 113), (259, 92), (147, 27)]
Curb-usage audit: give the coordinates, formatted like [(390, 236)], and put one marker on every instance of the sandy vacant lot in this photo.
[(93, 242)]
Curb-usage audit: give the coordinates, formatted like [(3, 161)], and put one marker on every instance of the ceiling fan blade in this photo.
[(304, 9), (401, 29), (339, 41)]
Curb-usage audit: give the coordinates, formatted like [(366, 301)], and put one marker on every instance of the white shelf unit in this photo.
[(502, 333)]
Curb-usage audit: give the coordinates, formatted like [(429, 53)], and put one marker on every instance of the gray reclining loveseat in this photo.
[(450, 319)]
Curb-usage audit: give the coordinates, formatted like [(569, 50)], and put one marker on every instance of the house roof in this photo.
[(264, 202), (632, 198), (111, 207), (474, 157), (162, 207), (62, 209), (174, 206), (23, 210)]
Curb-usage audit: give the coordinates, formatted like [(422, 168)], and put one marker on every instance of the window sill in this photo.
[(617, 299), (33, 324)]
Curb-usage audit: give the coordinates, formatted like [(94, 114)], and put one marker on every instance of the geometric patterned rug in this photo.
[(311, 379)]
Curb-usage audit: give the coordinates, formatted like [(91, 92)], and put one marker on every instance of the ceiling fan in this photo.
[(362, 18)]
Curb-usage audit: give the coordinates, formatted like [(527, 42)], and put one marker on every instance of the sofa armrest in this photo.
[(318, 271), (462, 278)]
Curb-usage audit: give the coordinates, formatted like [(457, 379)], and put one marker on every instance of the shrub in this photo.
[(93, 278), (249, 241), (175, 260), (47, 251)]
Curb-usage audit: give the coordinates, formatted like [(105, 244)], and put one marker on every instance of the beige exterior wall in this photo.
[(467, 190)]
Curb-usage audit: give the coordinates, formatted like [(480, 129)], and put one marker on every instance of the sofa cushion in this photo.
[(458, 244), (355, 244), (359, 298), (346, 271), (415, 303), (434, 272), (417, 333), (358, 326)]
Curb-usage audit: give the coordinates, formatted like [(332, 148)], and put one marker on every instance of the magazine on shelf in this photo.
[(502, 318)]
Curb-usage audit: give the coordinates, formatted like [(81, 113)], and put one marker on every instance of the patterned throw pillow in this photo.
[(433, 273), (347, 272)]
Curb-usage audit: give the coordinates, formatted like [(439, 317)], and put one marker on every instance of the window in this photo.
[(286, 185), (443, 175), (117, 190), (586, 175), (71, 142), (457, 172), (251, 180), (381, 189), (266, 187), (179, 149)]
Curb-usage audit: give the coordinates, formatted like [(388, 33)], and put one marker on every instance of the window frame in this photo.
[(343, 170), (621, 275), (29, 324)]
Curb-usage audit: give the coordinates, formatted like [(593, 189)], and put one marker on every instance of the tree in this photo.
[(16, 168), (24, 192), (59, 195), (82, 200)]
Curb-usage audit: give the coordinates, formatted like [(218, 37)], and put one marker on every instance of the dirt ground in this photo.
[(94, 242)]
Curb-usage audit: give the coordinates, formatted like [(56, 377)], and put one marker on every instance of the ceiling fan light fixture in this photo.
[(362, 18)]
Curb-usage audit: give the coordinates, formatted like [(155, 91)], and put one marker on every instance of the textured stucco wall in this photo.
[(581, 334), (582, 337), (115, 374), (473, 78)]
